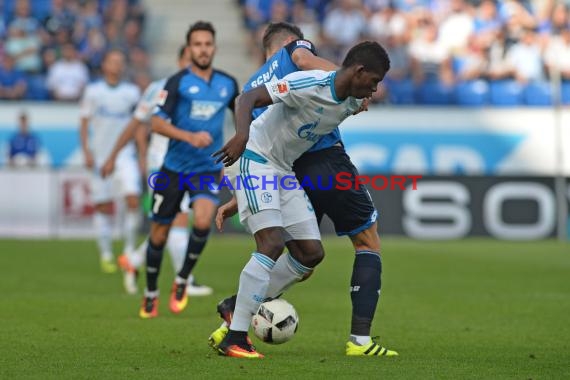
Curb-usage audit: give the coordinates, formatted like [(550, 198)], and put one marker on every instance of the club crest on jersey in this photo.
[(162, 95), (266, 197), (194, 90), (224, 92), (280, 88)]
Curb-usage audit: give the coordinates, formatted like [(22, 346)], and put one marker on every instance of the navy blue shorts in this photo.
[(166, 199), (352, 210)]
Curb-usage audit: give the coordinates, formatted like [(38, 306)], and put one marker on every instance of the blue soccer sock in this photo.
[(365, 287), (196, 244), (153, 261)]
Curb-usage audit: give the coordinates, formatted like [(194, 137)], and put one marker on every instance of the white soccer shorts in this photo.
[(265, 202), (125, 180)]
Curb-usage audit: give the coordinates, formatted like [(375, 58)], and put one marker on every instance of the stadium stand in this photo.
[(447, 52), (34, 33)]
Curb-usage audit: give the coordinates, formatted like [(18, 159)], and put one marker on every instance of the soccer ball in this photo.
[(275, 321)]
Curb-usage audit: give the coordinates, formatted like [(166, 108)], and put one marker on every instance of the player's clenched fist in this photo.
[(199, 139), (232, 150)]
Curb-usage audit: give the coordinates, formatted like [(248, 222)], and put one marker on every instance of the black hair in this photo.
[(181, 51), (369, 54), (282, 29), (200, 25)]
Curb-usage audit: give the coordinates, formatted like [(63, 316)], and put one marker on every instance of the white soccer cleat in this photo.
[(130, 282), (197, 290)]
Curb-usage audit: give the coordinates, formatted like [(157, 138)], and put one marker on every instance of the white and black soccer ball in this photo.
[(275, 321)]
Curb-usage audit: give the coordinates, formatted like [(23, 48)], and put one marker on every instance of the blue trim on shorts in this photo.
[(211, 197), (373, 218), (256, 157)]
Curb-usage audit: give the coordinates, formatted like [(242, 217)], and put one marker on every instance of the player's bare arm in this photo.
[(246, 102), (84, 135), (129, 132), (141, 140), (306, 60), (227, 210), (163, 127)]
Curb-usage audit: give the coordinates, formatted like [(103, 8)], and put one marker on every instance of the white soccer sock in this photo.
[(102, 224), (132, 219), (361, 340), (253, 283), (286, 272), (137, 257), (177, 243)]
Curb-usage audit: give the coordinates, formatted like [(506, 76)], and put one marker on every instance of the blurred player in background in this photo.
[(178, 237), (24, 145), (191, 113), (352, 212), (106, 109), (308, 106)]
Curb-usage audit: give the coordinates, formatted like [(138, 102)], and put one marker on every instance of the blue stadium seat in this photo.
[(40, 8), (401, 91), (506, 93), (37, 89), (538, 94), (472, 93), (434, 93)]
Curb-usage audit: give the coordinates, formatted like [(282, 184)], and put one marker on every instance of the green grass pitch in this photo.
[(477, 309)]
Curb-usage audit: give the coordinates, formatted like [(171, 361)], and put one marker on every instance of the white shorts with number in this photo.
[(267, 203), (125, 180)]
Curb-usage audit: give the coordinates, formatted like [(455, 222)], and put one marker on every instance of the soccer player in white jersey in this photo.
[(307, 105), (157, 147), (105, 111)]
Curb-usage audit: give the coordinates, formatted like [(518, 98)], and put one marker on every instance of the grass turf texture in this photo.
[(477, 309)]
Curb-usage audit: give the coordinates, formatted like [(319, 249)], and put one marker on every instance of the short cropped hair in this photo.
[(369, 54), (279, 29), (200, 25)]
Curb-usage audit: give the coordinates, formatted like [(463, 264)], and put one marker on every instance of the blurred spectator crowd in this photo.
[(50, 49), (465, 52)]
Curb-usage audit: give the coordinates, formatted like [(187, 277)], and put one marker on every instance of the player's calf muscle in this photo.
[(367, 240)]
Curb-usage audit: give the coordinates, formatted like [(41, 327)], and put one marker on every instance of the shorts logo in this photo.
[(162, 95), (194, 90), (266, 197), (306, 44)]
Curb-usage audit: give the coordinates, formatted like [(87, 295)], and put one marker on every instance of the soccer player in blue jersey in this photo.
[(191, 114), (352, 211)]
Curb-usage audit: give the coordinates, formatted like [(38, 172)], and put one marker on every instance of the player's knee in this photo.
[(159, 234), (132, 202), (271, 248), (313, 254)]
